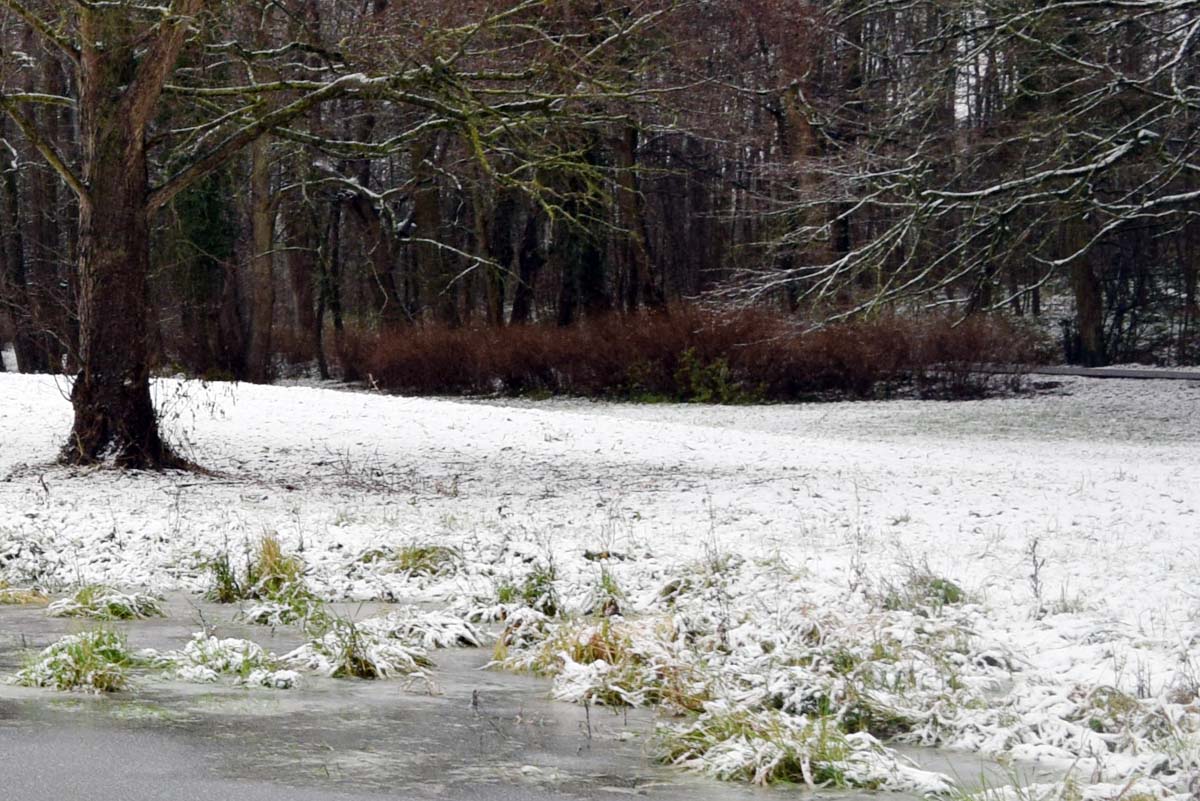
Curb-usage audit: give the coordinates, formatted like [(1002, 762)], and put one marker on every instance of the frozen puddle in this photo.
[(331, 739)]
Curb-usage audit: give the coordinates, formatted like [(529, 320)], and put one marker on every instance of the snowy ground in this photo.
[(789, 539)]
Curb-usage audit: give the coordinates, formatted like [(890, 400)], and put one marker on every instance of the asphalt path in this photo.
[(1121, 372)]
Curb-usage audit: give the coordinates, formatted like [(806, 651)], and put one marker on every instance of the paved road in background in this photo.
[(1120, 372)]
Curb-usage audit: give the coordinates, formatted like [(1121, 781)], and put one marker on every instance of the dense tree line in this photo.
[(270, 178)]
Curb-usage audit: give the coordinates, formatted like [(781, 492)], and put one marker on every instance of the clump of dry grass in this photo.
[(609, 661), (21, 596), (415, 559)]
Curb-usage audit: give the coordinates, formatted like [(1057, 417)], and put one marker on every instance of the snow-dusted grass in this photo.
[(271, 578), (382, 647), (770, 746), (1013, 576), (347, 649), (609, 661), (97, 661), (101, 602), (802, 692), (205, 659)]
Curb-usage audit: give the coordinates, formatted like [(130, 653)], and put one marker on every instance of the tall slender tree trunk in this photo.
[(1191, 292), (1089, 314), (440, 294), (324, 255), (494, 241), (529, 264), (12, 259), (331, 292), (643, 285), (799, 144), (262, 264), (302, 228), (48, 301), (377, 238)]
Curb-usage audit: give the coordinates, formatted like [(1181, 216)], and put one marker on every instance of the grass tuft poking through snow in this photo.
[(101, 602), (272, 578), (428, 630), (608, 661), (801, 693), (766, 747), (921, 591), (414, 560), (384, 647), (95, 661), (535, 591), (347, 649), (205, 659)]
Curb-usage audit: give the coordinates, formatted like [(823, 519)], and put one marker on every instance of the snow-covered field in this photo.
[(778, 567)]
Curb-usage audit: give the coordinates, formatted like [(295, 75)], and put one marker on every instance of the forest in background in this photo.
[(686, 181)]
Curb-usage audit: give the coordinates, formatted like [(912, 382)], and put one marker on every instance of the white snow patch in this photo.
[(815, 507)]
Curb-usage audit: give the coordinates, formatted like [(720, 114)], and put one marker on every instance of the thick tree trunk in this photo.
[(114, 416)]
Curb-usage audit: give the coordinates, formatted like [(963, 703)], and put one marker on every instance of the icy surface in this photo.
[(815, 511)]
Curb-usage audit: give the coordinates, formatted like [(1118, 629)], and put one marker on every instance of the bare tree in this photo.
[(986, 137), (137, 153)]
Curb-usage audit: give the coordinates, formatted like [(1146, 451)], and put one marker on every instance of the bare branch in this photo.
[(44, 147), (44, 29)]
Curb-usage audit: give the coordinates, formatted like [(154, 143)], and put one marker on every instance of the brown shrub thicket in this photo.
[(693, 354)]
